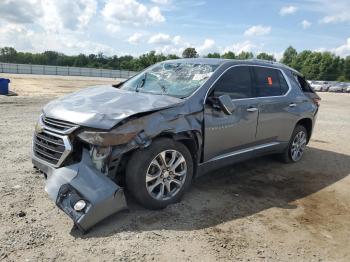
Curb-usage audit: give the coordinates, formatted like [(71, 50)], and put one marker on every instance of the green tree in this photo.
[(189, 52), (245, 55), (265, 56), (289, 55), (8, 54), (229, 55), (213, 55), (346, 71)]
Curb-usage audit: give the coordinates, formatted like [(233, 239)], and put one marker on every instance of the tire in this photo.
[(148, 163), (287, 156)]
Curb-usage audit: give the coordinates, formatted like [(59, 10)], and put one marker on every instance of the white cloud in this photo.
[(343, 50), (336, 18), (288, 10), (169, 49), (177, 40), (17, 36), (135, 38), (131, 12), (113, 28), (160, 39), (68, 42), (162, 2), (257, 30), (67, 14), (246, 46), (164, 39), (207, 47), (336, 11), (21, 12), (48, 14), (306, 24), (278, 55)]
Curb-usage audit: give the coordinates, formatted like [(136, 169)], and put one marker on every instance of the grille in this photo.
[(58, 125), (49, 147)]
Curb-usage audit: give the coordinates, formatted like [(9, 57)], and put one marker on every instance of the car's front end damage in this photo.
[(83, 164), (77, 178)]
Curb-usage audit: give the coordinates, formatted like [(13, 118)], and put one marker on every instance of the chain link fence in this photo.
[(63, 71)]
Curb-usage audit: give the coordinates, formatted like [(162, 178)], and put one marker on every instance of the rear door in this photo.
[(276, 106), (227, 133)]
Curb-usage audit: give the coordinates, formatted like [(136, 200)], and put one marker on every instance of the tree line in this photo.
[(314, 65)]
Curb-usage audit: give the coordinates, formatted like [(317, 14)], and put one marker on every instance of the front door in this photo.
[(228, 133)]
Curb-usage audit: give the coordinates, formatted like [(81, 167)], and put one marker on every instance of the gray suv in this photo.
[(154, 133)]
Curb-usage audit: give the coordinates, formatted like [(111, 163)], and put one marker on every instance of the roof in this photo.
[(211, 61), (220, 61)]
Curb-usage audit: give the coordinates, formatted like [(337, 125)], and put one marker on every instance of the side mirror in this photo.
[(226, 104)]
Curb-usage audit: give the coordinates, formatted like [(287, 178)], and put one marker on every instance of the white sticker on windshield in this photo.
[(199, 77)]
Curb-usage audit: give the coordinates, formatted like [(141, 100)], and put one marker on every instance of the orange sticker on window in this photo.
[(269, 80)]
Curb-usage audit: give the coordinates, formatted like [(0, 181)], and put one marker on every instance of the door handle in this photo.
[(252, 109), (292, 105)]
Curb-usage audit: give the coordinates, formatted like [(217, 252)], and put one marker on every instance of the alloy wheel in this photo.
[(166, 175), (298, 146)]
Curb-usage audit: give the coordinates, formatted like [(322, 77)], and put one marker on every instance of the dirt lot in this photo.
[(260, 210)]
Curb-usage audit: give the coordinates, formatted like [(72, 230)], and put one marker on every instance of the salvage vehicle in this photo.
[(154, 133)]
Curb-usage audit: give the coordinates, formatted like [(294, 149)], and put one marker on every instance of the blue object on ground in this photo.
[(4, 86)]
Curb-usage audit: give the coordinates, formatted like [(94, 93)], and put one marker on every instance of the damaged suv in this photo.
[(155, 132)]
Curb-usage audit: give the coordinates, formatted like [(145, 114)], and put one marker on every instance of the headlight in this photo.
[(39, 125), (103, 139)]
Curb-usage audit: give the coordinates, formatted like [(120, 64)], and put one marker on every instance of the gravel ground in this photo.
[(260, 210)]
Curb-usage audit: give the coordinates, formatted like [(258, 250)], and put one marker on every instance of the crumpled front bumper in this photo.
[(82, 181)]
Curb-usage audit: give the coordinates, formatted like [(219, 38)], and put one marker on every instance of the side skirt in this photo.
[(240, 156)]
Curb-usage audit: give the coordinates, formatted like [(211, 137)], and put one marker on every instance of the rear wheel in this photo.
[(296, 147), (160, 174)]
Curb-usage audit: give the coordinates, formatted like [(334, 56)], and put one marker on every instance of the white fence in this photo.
[(63, 71)]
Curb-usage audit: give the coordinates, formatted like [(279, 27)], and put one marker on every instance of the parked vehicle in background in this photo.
[(339, 87), (320, 86), (158, 130)]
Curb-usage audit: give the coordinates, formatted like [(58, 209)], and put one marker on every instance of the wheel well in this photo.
[(307, 123), (190, 141), (186, 138)]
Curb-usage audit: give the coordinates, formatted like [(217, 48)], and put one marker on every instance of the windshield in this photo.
[(173, 79)]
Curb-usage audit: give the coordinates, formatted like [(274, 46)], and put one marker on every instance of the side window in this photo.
[(304, 85), (270, 82), (236, 83)]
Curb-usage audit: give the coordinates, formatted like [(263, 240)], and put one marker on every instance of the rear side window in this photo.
[(236, 82), (304, 85), (270, 82)]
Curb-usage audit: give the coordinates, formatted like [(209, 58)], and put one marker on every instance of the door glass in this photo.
[(236, 83), (270, 82), (304, 85)]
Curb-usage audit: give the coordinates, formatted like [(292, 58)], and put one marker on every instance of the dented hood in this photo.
[(105, 106)]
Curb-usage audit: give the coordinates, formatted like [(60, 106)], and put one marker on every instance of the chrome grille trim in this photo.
[(52, 152), (58, 126)]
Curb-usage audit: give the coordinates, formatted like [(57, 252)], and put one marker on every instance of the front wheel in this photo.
[(160, 174), (296, 147)]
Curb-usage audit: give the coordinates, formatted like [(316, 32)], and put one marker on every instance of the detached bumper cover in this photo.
[(69, 184)]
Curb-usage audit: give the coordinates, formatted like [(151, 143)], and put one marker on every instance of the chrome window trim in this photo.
[(250, 98), (242, 151)]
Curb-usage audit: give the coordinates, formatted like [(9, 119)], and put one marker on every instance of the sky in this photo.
[(120, 27)]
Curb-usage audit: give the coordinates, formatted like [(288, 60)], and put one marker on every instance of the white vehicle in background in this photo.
[(320, 86), (339, 87)]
